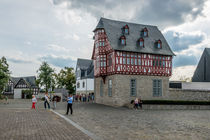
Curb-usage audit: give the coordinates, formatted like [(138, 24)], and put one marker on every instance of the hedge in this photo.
[(175, 102)]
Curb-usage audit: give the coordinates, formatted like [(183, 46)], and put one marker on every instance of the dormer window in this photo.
[(141, 42), (126, 29), (144, 32), (159, 44), (123, 40)]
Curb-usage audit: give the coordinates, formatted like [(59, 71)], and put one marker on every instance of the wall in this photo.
[(196, 85), (18, 93), (121, 89), (189, 95), (88, 82)]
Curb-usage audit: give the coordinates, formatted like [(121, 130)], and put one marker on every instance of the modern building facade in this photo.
[(202, 72), (17, 84), (84, 76), (130, 60)]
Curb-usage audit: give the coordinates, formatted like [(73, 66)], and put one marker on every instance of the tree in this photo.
[(46, 76), (4, 73), (66, 79)]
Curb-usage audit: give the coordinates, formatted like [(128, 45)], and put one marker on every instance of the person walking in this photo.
[(46, 101), (69, 105), (34, 100)]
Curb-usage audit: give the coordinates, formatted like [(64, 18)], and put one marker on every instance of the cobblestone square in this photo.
[(40, 124), (107, 123)]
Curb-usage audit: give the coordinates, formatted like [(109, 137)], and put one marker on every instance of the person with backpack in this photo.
[(46, 101)]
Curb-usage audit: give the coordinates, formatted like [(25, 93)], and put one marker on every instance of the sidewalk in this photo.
[(27, 124)]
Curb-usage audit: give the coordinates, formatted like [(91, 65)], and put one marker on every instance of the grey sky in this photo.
[(60, 31)]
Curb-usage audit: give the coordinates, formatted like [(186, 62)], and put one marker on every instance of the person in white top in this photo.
[(46, 101), (34, 100)]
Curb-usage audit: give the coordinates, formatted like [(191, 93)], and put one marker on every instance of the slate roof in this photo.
[(113, 31), (200, 74), (83, 63), (90, 71), (87, 65), (30, 80)]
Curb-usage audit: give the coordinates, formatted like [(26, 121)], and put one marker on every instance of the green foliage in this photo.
[(175, 102), (4, 73), (28, 93), (66, 79), (46, 76), (1, 97)]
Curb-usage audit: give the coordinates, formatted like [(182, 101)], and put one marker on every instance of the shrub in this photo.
[(1, 97), (28, 93), (175, 102)]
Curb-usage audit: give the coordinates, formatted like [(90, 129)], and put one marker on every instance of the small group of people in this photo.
[(46, 101), (84, 97), (54, 99), (137, 103)]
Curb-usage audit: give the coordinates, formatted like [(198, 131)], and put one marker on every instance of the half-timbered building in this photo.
[(130, 60), (16, 84)]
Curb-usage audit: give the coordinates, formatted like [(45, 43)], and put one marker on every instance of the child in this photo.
[(33, 102), (136, 103)]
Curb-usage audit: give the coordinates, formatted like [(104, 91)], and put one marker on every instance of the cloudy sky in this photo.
[(60, 31)]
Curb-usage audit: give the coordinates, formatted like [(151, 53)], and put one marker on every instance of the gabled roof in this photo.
[(30, 80), (83, 63), (90, 71), (113, 31), (202, 72), (86, 65)]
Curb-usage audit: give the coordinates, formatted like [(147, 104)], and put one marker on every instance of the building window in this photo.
[(78, 85), (125, 30), (133, 87), (103, 61), (110, 60), (123, 40), (139, 60), (141, 42), (83, 84), (101, 88), (110, 87), (159, 44), (144, 32), (124, 58), (157, 87)]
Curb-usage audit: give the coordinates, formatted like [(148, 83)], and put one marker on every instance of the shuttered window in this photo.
[(110, 87), (157, 87), (133, 87)]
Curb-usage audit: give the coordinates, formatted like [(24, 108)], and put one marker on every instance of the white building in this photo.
[(84, 76)]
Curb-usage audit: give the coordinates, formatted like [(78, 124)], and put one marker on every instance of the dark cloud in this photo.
[(59, 61), (179, 41), (157, 12), (14, 60), (183, 60)]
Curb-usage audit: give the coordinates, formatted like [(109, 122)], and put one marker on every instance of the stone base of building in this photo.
[(121, 90)]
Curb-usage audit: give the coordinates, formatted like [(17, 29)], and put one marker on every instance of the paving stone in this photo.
[(27, 124)]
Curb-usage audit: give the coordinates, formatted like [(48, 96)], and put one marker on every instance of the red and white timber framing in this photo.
[(108, 62)]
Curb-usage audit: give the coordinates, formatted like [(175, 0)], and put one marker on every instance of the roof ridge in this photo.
[(126, 22)]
